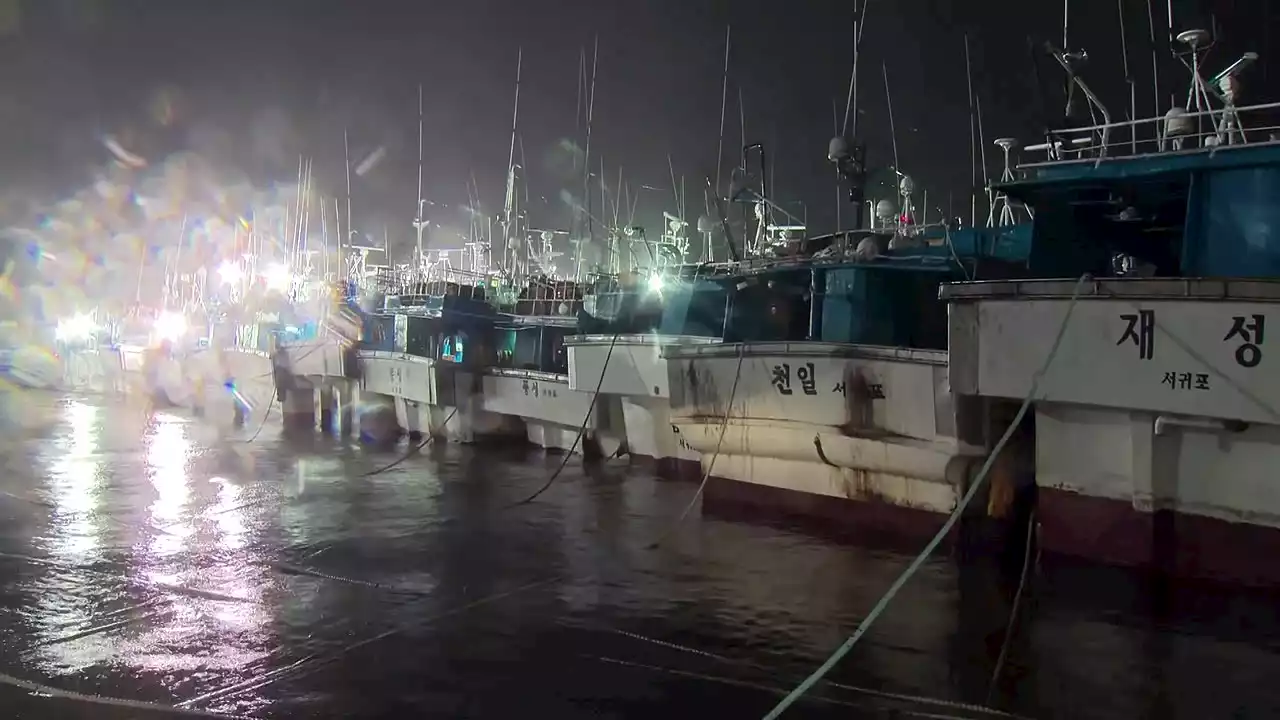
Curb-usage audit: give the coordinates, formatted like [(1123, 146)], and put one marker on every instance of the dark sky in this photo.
[(252, 84)]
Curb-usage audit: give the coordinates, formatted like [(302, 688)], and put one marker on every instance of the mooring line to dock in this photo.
[(52, 692), (747, 665), (1017, 603), (414, 449), (952, 519), (582, 430), (292, 569), (772, 690), (312, 661), (706, 475), (270, 406)]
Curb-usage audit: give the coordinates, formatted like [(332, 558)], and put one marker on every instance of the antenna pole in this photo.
[(306, 212), (724, 101), (337, 232), (418, 225), (511, 159), (1155, 63), (324, 240), (888, 100), (982, 149), (1128, 77), (835, 128), (346, 157), (973, 135), (1066, 15), (586, 152), (851, 101), (675, 189)]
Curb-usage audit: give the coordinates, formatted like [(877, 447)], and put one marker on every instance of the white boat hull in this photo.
[(823, 429)]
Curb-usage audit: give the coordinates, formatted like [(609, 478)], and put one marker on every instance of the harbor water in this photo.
[(151, 560)]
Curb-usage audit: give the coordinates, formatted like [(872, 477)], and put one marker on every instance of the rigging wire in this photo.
[(919, 560)]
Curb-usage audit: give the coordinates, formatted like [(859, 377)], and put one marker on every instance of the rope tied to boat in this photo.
[(952, 519)]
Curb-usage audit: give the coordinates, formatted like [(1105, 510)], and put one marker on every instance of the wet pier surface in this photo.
[(150, 558)]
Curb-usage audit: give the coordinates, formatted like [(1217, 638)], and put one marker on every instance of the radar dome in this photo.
[(885, 211), (868, 249), (906, 186), (1176, 122), (837, 149), (706, 225)]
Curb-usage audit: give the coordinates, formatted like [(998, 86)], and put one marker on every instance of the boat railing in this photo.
[(1177, 131), (394, 281)]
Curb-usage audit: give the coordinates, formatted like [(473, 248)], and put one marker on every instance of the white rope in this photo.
[(915, 565)]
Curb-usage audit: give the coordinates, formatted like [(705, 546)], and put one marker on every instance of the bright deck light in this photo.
[(230, 273), (278, 277), (170, 326), (655, 283), (77, 327)]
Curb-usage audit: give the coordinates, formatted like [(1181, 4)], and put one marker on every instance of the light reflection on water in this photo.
[(163, 577), (74, 538), (75, 485), (167, 455)]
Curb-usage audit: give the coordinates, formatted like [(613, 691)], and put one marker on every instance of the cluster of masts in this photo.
[(1209, 118)]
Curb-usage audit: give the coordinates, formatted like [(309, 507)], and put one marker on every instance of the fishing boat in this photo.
[(1138, 332), (829, 396)]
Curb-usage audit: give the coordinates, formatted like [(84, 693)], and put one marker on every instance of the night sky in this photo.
[(253, 85)]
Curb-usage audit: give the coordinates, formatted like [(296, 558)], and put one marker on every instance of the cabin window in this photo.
[(454, 347)]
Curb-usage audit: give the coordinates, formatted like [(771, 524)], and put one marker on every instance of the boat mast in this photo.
[(1128, 78), (973, 139), (418, 223), (1155, 63), (509, 209), (346, 161), (724, 101), (586, 155)]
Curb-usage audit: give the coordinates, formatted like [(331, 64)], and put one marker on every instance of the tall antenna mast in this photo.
[(346, 158), (337, 233), (973, 135), (418, 223), (324, 242), (511, 159), (1066, 18), (724, 100), (893, 134), (586, 152), (1155, 63), (1128, 77)]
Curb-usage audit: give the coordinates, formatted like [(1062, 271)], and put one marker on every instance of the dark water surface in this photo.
[(144, 557)]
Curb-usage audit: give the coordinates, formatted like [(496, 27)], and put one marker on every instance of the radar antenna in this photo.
[(1001, 200)]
